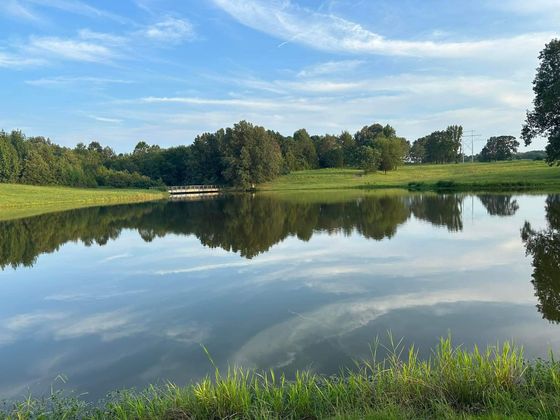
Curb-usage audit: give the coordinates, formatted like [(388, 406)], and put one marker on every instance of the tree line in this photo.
[(240, 156), (38, 161)]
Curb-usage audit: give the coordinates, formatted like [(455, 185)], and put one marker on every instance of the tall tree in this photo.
[(544, 119), (205, 161), (348, 145), (250, 155), (392, 152), (367, 135), (456, 135), (439, 146), (305, 151), (499, 148), (329, 151)]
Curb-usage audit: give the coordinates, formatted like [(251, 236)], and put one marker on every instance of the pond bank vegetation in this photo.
[(454, 382)]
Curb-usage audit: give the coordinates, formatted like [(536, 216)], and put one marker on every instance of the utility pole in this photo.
[(472, 135)]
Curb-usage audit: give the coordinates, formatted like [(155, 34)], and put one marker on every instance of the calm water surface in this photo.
[(124, 296)]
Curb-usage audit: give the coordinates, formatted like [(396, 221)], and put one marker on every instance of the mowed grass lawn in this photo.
[(495, 175), (27, 200)]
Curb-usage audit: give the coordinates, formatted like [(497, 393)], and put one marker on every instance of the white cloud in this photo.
[(330, 67), (292, 23), (105, 38), (514, 92), (170, 30), (16, 9), (70, 49), (106, 119), (93, 46), (342, 318), (415, 104), (109, 325), (23, 321), (261, 104), (16, 61), (79, 8), (65, 80)]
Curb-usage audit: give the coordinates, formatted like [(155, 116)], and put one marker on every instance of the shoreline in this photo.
[(496, 382), (460, 177), (19, 200)]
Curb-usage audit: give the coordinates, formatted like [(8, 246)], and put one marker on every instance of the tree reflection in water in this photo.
[(499, 205), (544, 247), (247, 224)]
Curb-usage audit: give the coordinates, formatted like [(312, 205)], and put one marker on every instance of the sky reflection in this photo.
[(124, 297)]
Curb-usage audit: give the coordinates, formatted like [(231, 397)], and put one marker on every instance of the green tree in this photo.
[(392, 152), (417, 153), (250, 155), (9, 160), (499, 148), (36, 169), (206, 163), (368, 158), (305, 152), (95, 147), (141, 147), (439, 146), (455, 134), (348, 145), (329, 151), (544, 119), (367, 135)]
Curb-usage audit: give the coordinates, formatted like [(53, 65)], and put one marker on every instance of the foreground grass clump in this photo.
[(511, 175), (18, 200), (453, 383)]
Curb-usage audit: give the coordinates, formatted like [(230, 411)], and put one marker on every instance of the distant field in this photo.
[(27, 200), (535, 175)]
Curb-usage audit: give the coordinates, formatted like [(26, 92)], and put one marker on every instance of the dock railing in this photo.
[(193, 189)]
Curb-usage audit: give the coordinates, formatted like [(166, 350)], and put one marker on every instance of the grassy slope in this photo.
[(27, 200), (468, 176), (454, 383)]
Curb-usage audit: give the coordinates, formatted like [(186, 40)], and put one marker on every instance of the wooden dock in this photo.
[(193, 189)]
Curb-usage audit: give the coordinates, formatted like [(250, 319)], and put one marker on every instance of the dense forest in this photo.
[(239, 156), (36, 160)]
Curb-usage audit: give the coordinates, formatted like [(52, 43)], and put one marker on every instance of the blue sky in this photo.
[(166, 70)]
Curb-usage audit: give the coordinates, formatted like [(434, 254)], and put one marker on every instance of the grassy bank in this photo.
[(27, 200), (453, 383), (515, 175)]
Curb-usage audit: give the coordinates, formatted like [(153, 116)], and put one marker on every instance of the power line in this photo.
[(472, 135)]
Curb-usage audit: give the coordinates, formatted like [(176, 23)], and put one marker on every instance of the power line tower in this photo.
[(472, 136)]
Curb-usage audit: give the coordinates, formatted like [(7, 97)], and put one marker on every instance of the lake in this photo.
[(124, 296)]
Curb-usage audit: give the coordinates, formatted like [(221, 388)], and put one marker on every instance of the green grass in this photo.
[(452, 383), (18, 200), (513, 175)]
